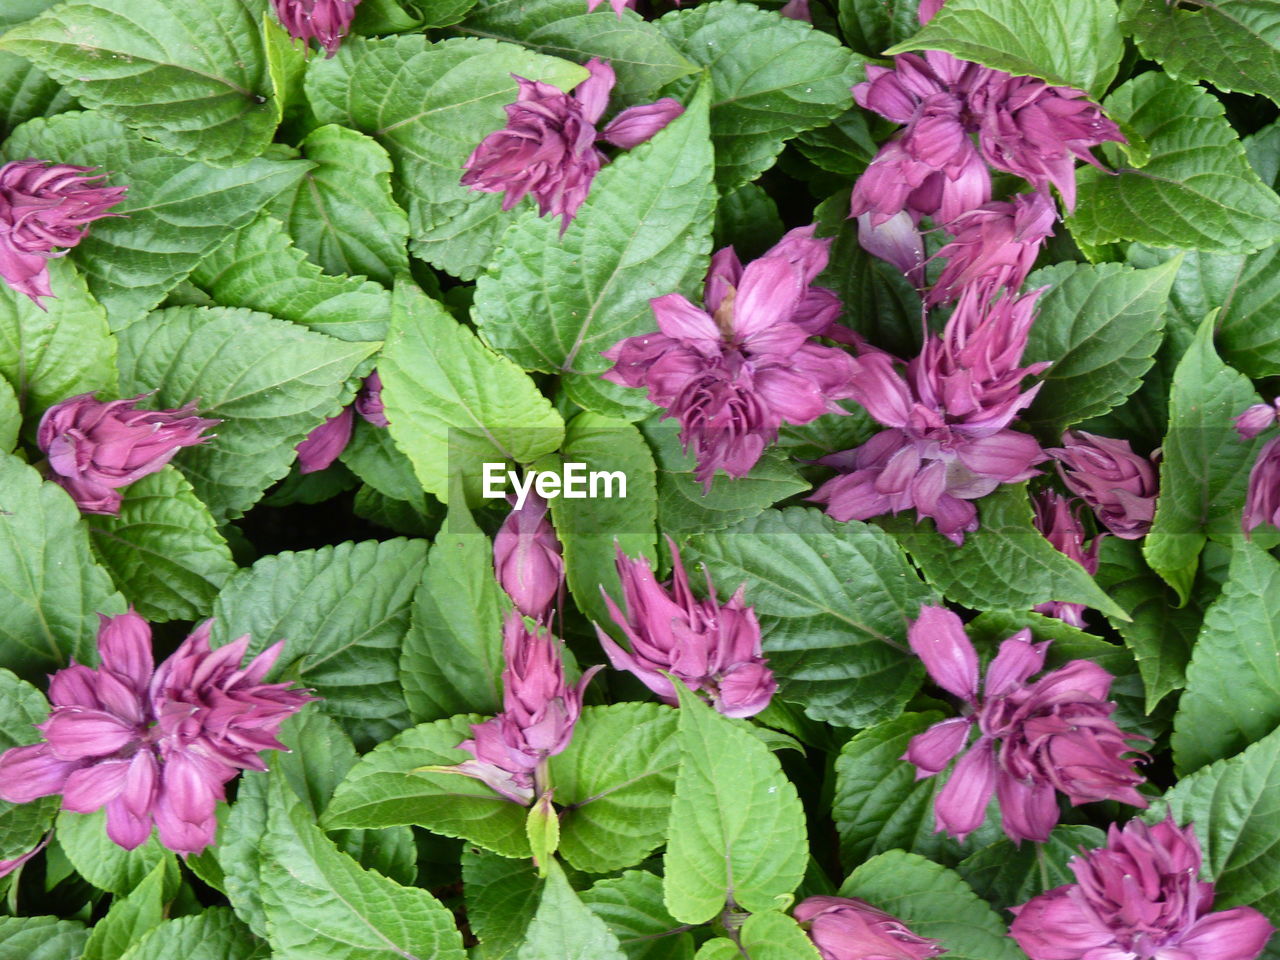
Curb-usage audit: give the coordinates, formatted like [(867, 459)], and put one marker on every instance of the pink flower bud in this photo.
[(369, 400), (1061, 526), (526, 558), (1257, 419), (1262, 502), (325, 443), (844, 928), (996, 243), (1118, 484), (618, 5), (635, 125), (326, 21), (96, 447)]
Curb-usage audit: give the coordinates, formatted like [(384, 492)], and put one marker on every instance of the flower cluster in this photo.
[(325, 21), (153, 744), (1118, 484)]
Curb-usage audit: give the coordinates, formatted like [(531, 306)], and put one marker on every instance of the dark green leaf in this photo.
[(214, 934), (502, 895), (41, 938), (97, 858), (1007, 876), (26, 92), (632, 906)]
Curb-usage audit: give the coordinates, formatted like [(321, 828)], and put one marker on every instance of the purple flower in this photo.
[(1258, 419), (153, 746), (1138, 898), (1060, 524), (548, 147), (995, 244), (527, 560), (325, 443), (896, 241), (797, 10), (712, 647), (1262, 503), (537, 719), (733, 373), (1053, 734), (1115, 482), (326, 21), (948, 441), (96, 447), (369, 400), (844, 928), (43, 206)]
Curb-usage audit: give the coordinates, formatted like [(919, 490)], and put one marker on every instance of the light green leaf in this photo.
[(737, 829), (833, 601), (269, 381), (1196, 190), (771, 77), (320, 904), (564, 929), (26, 92), (237, 850), (1077, 46), (553, 302), (10, 417), (343, 612), (22, 824), (775, 936), (384, 790), (132, 917), (191, 76), (342, 213), (51, 590), (1007, 876), (41, 938), (501, 895), (258, 267), (453, 403), (1205, 468), (97, 858), (632, 906), (176, 211), (429, 104), (1100, 326), (163, 550), (214, 934)]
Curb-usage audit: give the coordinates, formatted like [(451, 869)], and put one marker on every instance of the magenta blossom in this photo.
[(845, 928), (618, 5), (1262, 502), (1138, 898), (369, 401), (325, 21), (1060, 524), (153, 746), (1118, 484), (948, 440), (713, 648), (996, 244), (527, 558), (733, 373), (96, 447), (1258, 419), (539, 711), (43, 206), (325, 443), (1055, 734), (548, 147)]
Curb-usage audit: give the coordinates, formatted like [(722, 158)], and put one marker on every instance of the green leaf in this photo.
[(737, 829), (26, 92), (140, 66), (320, 904), (385, 789), (343, 612), (632, 906), (1234, 676), (374, 457), (1007, 876), (590, 527), (684, 507), (1078, 46), (376, 17), (51, 354), (772, 78), (163, 550), (933, 902), (258, 267), (774, 936), (1100, 326), (871, 26), (1230, 43), (176, 211), (97, 858), (1196, 190), (833, 601), (553, 302), (132, 917), (501, 895), (1205, 467), (22, 824), (564, 929), (237, 850), (640, 55), (1006, 563), (213, 934), (286, 66), (51, 590), (269, 381), (342, 213), (429, 104), (453, 403), (614, 782), (10, 417), (41, 938)]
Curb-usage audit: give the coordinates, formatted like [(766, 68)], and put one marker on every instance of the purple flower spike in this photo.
[(153, 747), (1055, 734), (43, 206), (1138, 897), (325, 443), (1115, 482), (845, 928), (711, 647), (994, 244), (1262, 502), (325, 21), (538, 716), (369, 401), (527, 558), (96, 447), (1060, 524)]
